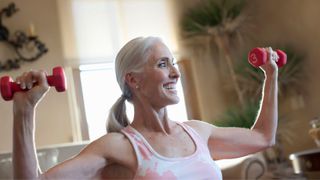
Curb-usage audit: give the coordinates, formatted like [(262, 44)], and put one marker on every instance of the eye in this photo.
[(162, 64)]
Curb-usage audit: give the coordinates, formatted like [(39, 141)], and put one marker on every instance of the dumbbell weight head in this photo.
[(57, 79), (258, 57), (6, 88), (282, 58)]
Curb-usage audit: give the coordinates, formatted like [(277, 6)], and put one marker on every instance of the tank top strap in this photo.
[(141, 150), (200, 143)]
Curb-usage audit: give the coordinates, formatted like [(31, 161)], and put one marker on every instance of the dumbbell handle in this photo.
[(8, 87), (16, 87), (258, 57)]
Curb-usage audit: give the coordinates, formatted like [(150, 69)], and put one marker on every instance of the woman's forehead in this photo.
[(160, 51)]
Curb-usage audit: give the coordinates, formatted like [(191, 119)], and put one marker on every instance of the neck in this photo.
[(148, 118)]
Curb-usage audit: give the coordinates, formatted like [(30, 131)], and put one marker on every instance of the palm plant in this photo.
[(239, 117), (220, 24)]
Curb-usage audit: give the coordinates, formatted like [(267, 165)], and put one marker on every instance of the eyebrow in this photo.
[(166, 59)]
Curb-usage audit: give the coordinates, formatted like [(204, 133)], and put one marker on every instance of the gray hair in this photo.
[(131, 58)]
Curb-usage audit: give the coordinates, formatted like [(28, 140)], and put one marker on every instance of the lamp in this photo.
[(27, 48)]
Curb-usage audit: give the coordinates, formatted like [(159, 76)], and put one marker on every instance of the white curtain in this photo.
[(94, 30)]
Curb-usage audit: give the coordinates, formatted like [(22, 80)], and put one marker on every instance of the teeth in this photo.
[(170, 86)]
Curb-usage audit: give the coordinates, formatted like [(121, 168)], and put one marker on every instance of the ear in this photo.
[(132, 79)]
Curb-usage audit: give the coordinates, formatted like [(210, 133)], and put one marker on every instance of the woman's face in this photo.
[(159, 78)]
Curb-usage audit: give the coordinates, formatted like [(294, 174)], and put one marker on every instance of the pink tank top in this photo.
[(152, 165)]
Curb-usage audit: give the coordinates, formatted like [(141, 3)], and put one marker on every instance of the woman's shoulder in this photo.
[(112, 144), (201, 127), (113, 140), (198, 124), (115, 145)]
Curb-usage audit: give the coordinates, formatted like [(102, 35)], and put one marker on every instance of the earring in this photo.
[(137, 86)]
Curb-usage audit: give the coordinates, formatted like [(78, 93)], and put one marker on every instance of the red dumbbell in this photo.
[(258, 57), (57, 79)]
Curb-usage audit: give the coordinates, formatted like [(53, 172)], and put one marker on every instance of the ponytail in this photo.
[(117, 118)]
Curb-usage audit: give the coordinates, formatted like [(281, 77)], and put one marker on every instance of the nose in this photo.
[(174, 72)]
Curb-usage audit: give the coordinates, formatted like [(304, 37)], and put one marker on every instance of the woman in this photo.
[(152, 146)]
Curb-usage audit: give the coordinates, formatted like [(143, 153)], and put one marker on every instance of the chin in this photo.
[(169, 100), (174, 101)]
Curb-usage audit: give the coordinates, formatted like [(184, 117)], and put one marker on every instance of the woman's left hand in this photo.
[(270, 67)]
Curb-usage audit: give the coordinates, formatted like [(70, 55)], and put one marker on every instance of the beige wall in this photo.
[(53, 124), (285, 22)]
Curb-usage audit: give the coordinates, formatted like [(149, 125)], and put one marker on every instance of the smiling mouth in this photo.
[(171, 87)]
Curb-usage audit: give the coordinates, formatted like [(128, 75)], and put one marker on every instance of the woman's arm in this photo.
[(232, 142), (267, 119), (89, 163), (25, 163)]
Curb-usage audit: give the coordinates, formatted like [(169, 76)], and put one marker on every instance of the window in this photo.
[(101, 90), (94, 31)]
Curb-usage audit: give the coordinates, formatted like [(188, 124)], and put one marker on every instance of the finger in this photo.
[(18, 80), (29, 80), (276, 56), (270, 53), (273, 56), (22, 80), (42, 77)]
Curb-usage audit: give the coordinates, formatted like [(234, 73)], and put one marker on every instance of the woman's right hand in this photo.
[(35, 82)]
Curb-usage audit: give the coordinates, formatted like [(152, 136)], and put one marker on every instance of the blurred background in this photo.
[(210, 40)]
